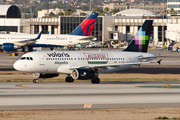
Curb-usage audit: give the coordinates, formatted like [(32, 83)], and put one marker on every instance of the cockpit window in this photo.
[(22, 58), (26, 58)]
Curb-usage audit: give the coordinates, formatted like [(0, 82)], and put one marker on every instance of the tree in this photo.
[(106, 9), (60, 14), (45, 6), (52, 14), (69, 11), (115, 10), (172, 11), (97, 10)]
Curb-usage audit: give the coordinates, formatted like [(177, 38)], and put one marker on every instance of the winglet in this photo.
[(159, 61), (39, 36)]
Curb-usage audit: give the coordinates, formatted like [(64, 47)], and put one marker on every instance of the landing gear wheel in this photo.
[(95, 80), (35, 81), (69, 79)]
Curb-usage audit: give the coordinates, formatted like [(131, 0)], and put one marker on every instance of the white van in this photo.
[(94, 45)]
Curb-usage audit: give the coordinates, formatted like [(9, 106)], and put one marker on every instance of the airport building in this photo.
[(157, 8), (108, 29), (125, 23), (175, 4), (10, 19)]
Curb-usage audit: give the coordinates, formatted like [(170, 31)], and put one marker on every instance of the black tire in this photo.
[(35, 81), (95, 80), (69, 79)]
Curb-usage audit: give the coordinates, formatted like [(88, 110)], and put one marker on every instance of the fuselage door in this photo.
[(42, 59), (128, 58)]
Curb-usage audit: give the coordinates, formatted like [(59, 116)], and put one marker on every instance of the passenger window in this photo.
[(74, 58), (31, 58)]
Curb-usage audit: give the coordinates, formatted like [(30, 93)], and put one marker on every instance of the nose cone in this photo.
[(17, 65)]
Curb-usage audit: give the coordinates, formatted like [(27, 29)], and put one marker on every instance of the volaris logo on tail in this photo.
[(141, 38)]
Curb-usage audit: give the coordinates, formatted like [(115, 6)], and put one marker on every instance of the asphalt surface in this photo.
[(30, 96)]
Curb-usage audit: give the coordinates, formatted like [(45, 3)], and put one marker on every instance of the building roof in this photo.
[(135, 12), (10, 11)]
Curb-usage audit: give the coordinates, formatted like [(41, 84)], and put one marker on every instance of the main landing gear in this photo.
[(95, 80), (69, 79)]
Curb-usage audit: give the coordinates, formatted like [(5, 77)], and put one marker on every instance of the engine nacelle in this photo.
[(83, 74), (9, 46), (43, 75)]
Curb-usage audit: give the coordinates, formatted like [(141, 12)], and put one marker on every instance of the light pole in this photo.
[(163, 25), (90, 5)]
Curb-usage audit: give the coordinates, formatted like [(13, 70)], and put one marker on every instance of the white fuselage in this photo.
[(64, 61), (45, 40)]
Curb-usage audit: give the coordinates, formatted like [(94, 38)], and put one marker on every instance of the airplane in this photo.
[(12, 42), (84, 65)]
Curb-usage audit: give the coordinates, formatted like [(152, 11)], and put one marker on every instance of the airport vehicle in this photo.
[(94, 45), (82, 65), (81, 34)]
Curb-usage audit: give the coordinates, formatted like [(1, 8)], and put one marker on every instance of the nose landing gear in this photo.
[(35, 81), (36, 76)]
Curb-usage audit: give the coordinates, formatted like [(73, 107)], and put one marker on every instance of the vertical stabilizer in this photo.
[(85, 28), (140, 42)]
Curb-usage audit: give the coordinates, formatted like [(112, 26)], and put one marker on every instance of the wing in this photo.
[(88, 38), (27, 42), (107, 65)]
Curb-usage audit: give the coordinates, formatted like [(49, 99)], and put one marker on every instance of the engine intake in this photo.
[(83, 74)]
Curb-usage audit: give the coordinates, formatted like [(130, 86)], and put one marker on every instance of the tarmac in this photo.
[(79, 95), (84, 95)]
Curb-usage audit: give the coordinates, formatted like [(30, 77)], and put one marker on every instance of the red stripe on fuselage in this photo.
[(85, 24)]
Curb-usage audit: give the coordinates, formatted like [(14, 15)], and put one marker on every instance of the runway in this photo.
[(84, 95)]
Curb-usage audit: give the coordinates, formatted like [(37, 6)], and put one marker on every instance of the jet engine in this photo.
[(43, 75), (83, 74), (9, 46)]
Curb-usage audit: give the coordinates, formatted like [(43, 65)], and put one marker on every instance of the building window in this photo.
[(127, 29)]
